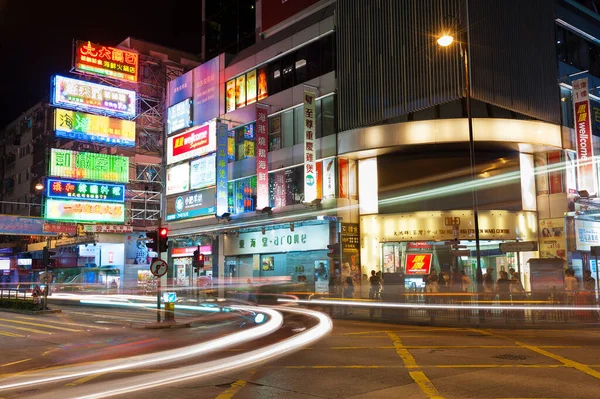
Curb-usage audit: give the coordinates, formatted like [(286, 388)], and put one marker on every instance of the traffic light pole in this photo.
[(45, 305), (159, 278)]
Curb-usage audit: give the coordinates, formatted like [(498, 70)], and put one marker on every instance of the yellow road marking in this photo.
[(83, 380), (235, 387), (407, 358), (9, 334), (425, 384), (567, 362), (66, 324), (33, 330), (17, 362), (40, 325), (441, 347), (433, 366)]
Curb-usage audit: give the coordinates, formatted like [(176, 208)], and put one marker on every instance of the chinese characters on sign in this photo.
[(89, 166), (553, 242), (192, 143), (222, 205), (583, 133), (178, 178), (206, 91), (191, 205), (203, 173), (418, 263), (180, 88), (70, 189), (310, 179), (84, 211), (74, 93), (329, 178), (179, 116), (262, 157), (106, 61), (93, 128), (15, 225), (107, 228)]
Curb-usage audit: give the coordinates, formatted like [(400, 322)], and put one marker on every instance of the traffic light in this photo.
[(198, 261), (163, 234), (334, 251), (47, 262), (152, 239)]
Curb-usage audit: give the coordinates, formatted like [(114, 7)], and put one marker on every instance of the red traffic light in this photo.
[(200, 257), (164, 232)]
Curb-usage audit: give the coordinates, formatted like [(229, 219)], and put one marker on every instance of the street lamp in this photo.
[(39, 186), (445, 40)]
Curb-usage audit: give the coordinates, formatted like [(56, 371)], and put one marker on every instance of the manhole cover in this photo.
[(509, 356)]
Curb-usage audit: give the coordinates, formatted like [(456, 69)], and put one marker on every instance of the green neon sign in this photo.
[(89, 166)]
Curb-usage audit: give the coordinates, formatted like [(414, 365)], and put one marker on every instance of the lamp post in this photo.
[(446, 40)]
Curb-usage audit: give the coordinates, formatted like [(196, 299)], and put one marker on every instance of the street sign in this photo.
[(519, 246), (464, 252), (159, 268), (169, 297), (36, 291)]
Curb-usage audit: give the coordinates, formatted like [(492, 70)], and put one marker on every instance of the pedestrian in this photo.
[(375, 282), (589, 283), (571, 283), (348, 294), (466, 281), (456, 280), (488, 281)]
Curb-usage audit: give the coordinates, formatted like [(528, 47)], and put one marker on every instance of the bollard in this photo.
[(170, 312)]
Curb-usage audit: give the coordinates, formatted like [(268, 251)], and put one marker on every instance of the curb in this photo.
[(160, 326), (31, 312)]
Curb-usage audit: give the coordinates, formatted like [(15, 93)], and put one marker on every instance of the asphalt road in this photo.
[(357, 360)]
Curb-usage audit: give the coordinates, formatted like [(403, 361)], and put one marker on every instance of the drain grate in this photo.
[(510, 356)]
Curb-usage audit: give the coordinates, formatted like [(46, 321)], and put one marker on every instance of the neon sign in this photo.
[(93, 128), (194, 142), (88, 191), (89, 166), (88, 96), (84, 211), (106, 61)]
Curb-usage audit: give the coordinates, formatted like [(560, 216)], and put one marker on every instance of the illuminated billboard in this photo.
[(89, 166), (194, 142), (82, 190), (178, 178), (93, 128), (191, 205), (179, 116), (88, 96), (84, 211), (106, 61), (203, 172)]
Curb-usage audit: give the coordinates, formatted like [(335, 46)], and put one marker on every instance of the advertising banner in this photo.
[(89, 166), (230, 96), (178, 178), (251, 87), (63, 228), (541, 175), (83, 190), (240, 91), (21, 226), (418, 263), (583, 133), (280, 189), (84, 211), (222, 178), (351, 252), (570, 174), (329, 178), (322, 275), (556, 179), (262, 157), (108, 228), (262, 83), (192, 143), (191, 205), (181, 88), (179, 116), (587, 234), (206, 91), (343, 165), (553, 241), (106, 61), (93, 97), (310, 179), (93, 128), (203, 172)]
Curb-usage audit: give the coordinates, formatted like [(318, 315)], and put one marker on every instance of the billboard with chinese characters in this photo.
[(310, 178), (89, 166), (106, 61), (93, 97), (586, 172), (107, 228), (206, 91), (262, 157), (82, 190), (251, 87), (22, 226), (418, 263), (180, 88), (191, 205), (222, 178), (192, 143), (84, 211), (202, 172), (178, 178), (81, 126), (179, 116), (328, 178)]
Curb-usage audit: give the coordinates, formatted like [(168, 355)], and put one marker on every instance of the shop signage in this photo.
[(202, 172), (84, 211), (329, 178), (418, 263), (62, 228), (303, 238), (422, 245), (553, 241), (24, 226), (583, 133), (541, 175), (189, 251), (89, 166), (89, 191), (262, 157), (230, 95), (191, 205), (251, 87), (179, 116), (180, 88), (88, 96), (108, 228), (106, 61), (556, 179), (570, 175), (192, 143), (518, 246), (310, 178), (178, 178), (587, 234), (350, 238), (222, 178), (93, 128), (343, 177), (206, 91)]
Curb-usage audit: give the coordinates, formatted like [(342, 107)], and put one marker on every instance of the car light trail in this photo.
[(273, 324)]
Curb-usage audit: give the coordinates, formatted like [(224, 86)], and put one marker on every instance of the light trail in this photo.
[(211, 368), (273, 324)]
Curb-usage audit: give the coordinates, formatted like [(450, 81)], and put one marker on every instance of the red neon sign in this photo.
[(418, 263), (106, 61)]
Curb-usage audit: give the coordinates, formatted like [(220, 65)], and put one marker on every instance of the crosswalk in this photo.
[(24, 326)]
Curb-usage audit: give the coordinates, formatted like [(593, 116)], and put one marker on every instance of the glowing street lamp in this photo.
[(39, 186), (445, 40)]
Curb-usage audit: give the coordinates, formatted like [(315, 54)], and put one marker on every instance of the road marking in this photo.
[(40, 325), (66, 324), (431, 366), (407, 358), (17, 362), (9, 334), (235, 387), (425, 384), (33, 330), (83, 380)]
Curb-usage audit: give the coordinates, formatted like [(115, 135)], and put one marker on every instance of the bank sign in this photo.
[(303, 238), (191, 205)]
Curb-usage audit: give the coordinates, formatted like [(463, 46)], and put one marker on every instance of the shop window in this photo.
[(327, 113), (298, 125), (242, 195), (287, 126), (574, 50), (275, 133), (286, 187)]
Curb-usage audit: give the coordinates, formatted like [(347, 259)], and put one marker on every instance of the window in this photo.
[(275, 133), (287, 126), (574, 50), (242, 195), (327, 113), (274, 78), (286, 187)]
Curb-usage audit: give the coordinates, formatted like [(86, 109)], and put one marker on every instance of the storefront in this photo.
[(183, 273), (281, 253), (416, 244)]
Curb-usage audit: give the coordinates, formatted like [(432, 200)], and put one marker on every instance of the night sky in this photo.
[(36, 38)]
